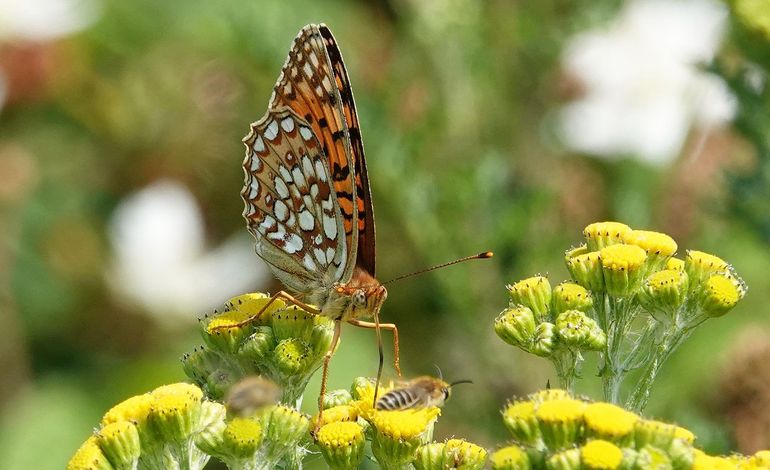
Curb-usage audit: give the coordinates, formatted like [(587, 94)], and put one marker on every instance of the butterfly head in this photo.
[(365, 295)]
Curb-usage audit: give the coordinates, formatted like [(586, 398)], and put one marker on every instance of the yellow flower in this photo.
[(342, 444), (623, 269), (610, 422), (707, 462), (363, 393), (601, 234), (571, 296), (175, 411), (761, 458), (336, 414), (675, 264), (454, 453), (560, 421), (89, 457), (519, 418), (664, 290), (292, 322), (284, 425), (251, 304), (585, 267), (291, 356), (535, 293), (549, 394), (659, 247), (510, 458), (601, 455), (648, 432), (134, 409), (700, 266), (720, 294), (120, 443), (685, 434), (398, 434), (221, 333), (241, 438)]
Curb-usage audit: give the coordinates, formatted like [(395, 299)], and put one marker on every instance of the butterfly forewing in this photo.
[(315, 85), (290, 206)]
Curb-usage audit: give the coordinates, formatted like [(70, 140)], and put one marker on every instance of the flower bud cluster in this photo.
[(154, 430), (398, 438), (542, 320), (282, 343), (553, 430)]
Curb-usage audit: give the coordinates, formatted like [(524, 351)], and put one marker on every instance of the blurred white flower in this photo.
[(42, 20), (644, 89), (161, 262)]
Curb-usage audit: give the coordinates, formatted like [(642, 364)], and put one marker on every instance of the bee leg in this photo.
[(325, 374), (278, 295), (376, 325)]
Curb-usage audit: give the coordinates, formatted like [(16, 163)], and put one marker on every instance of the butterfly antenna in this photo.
[(485, 255)]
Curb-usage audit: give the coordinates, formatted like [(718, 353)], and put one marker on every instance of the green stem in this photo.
[(566, 362)]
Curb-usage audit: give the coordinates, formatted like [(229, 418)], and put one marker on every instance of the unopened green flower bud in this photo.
[(89, 457), (659, 247), (565, 460), (701, 266), (455, 453), (256, 348), (561, 422), (610, 422), (653, 457), (199, 364), (285, 426), (210, 437), (336, 398), (341, 444), (175, 411), (585, 267), (544, 340), (322, 335), (241, 438), (623, 267), (681, 454), (664, 291), (519, 418), (578, 331), (516, 326), (430, 456), (292, 322), (219, 381), (571, 296), (291, 356), (720, 293), (510, 458), (648, 432), (598, 454), (119, 442), (535, 293), (601, 234)]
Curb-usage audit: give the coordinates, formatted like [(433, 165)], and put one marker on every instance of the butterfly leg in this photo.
[(376, 325), (278, 295), (325, 373)]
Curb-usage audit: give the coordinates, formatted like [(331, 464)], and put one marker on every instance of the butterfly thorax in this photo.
[(361, 297)]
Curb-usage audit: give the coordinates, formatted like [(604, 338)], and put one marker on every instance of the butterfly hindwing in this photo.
[(290, 204)]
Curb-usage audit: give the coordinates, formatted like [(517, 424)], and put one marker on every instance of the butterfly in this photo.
[(306, 192)]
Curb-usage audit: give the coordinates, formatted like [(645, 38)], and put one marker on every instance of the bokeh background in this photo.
[(489, 125)]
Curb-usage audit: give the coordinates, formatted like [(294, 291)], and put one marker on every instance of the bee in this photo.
[(421, 392), (250, 394)]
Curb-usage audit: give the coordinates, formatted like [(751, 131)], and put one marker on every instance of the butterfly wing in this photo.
[(314, 84), (290, 205)]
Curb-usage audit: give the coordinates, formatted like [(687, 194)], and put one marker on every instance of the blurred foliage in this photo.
[(457, 100)]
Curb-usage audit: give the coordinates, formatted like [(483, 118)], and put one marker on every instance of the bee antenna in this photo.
[(485, 255), (466, 381), (438, 369)]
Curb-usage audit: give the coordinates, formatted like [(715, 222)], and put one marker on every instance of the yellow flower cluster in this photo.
[(553, 430), (281, 341)]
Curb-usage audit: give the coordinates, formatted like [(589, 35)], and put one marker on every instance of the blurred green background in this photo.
[(495, 125)]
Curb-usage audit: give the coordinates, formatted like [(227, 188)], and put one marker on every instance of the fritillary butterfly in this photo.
[(306, 191)]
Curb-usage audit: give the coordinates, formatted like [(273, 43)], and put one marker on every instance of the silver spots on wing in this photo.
[(271, 132), (287, 124)]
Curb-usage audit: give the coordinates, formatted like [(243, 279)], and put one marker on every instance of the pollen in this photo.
[(340, 434), (404, 424), (510, 457), (623, 257), (609, 421), (183, 389), (601, 455), (89, 456), (242, 436), (675, 264)]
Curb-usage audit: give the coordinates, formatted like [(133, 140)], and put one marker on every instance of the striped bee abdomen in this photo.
[(399, 399)]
